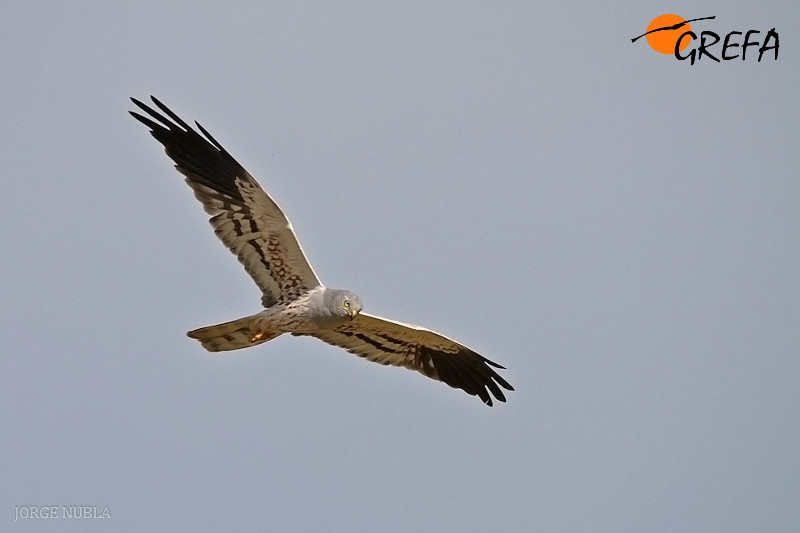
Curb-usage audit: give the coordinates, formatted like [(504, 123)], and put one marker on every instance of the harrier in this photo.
[(255, 229)]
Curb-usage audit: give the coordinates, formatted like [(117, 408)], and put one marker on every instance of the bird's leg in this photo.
[(257, 336), (261, 331)]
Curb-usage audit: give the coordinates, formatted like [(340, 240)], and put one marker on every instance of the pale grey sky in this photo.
[(618, 228)]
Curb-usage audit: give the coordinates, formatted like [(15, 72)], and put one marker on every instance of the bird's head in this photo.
[(344, 304)]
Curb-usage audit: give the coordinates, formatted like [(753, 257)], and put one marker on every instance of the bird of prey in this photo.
[(254, 228)]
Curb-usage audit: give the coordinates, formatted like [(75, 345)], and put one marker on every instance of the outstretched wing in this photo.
[(243, 215), (393, 343)]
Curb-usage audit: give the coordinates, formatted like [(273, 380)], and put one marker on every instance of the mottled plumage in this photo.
[(255, 229)]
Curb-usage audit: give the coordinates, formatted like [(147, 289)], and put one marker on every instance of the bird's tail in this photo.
[(233, 335)]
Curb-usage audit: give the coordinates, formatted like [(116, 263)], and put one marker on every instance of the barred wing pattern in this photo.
[(255, 229), (243, 215), (393, 343)]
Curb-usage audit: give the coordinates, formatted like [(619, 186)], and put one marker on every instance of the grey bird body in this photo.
[(255, 229), (319, 309)]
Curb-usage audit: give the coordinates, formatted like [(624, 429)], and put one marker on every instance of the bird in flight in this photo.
[(254, 228)]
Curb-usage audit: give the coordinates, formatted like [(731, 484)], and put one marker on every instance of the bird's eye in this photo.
[(346, 303)]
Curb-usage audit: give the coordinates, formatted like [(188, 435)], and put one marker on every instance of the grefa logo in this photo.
[(671, 34)]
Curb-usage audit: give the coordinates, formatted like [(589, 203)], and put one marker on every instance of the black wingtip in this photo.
[(470, 372), (146, 121), (201, 159)]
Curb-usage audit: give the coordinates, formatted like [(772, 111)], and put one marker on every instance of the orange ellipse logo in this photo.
[(670, 28)]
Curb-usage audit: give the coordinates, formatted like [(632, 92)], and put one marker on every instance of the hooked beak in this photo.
[(353, 312)]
